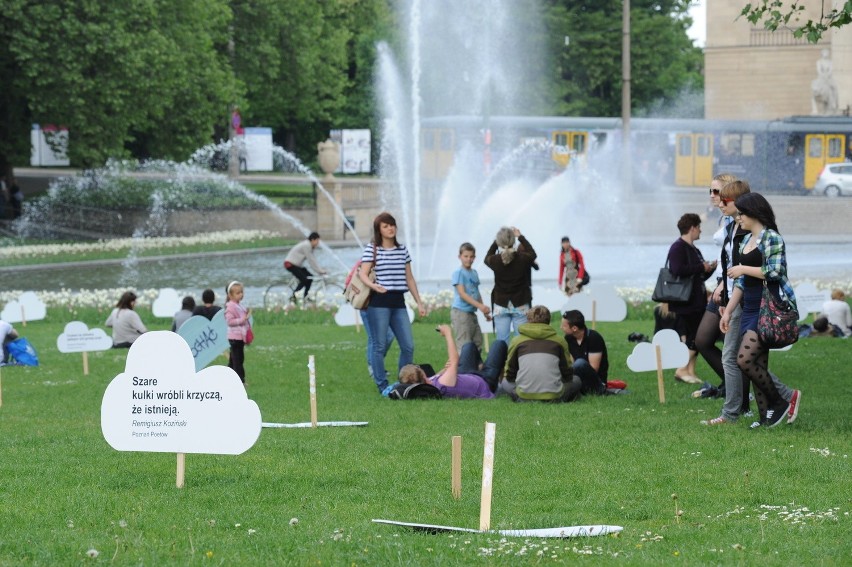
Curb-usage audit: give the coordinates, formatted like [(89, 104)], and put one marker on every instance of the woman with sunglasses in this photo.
[(762, 261), (736, 385), (708, 333)]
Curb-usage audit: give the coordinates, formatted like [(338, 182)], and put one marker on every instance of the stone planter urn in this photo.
[(328, 155)]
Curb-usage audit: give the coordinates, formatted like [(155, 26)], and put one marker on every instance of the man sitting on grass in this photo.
[(461, 376), (588, 349), (539, 366)]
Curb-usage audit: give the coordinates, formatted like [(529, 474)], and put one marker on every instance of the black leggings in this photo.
[(237, 358), (753, 360), (705, 343)]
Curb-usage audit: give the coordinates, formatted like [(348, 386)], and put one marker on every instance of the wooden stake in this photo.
[(357, 320), (23, 317), (594, 314), (487, 477), (456, 476), (313, 389), (85, 363), (485, 342), (660, 384), (181, 468)]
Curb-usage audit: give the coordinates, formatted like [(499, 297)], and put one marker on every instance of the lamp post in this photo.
[(627, 173)]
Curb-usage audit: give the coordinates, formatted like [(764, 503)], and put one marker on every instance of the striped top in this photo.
[(390, 266)]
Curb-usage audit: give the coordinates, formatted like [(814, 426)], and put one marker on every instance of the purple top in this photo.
[(467, 386)]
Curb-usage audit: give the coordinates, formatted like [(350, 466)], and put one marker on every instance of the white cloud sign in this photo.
[(809, 299), (77, 337), (608, 305), (28, 307), (167, 303), (160, 404), (673, 353), (345, 316)]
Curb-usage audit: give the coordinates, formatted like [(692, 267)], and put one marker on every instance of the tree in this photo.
[(776, 13), (664, 61), (147, 78)]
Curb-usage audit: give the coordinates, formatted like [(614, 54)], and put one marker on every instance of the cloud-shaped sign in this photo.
[(28, 307), (673, 353), (207, 338), (809, 299), (77, 337), (551, 297), (345, 316), (608, 305), (160, 404), (167, 303)]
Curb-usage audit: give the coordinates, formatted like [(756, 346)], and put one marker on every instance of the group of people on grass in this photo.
[(529, 360)]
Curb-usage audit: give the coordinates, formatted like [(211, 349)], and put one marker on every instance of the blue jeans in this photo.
[(365, 318), (505, 318), (469, 361), (380, 320), (592, 383)]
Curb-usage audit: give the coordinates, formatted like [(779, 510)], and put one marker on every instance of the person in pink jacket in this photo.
[(239, 328)]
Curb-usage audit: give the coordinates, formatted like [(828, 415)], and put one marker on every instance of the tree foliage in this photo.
[(777, 13), (157, 78), (664, 61)]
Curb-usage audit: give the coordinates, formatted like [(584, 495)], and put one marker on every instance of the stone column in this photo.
[(329, 223)]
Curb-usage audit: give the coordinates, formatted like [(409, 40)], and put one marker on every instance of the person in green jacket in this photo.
[(539, 366)]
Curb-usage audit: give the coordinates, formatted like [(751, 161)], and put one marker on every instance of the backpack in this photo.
[(23, 352), (415, 392)]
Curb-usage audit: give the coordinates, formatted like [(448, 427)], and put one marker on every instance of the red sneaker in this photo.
[(793, 412)]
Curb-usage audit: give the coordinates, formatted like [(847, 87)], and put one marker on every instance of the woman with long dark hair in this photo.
[(762, 261), (126, 324), (392, 266)]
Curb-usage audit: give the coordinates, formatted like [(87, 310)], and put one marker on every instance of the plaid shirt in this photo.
[(774, 268)]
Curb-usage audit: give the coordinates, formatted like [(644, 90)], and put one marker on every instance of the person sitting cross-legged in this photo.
[(588, 349), (539, 366), (461, 376)]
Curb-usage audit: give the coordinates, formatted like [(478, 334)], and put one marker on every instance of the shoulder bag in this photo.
[(671, 288), (357, 293), (777, 323)]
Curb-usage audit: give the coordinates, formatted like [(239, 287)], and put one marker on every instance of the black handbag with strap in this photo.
[(671, 288)]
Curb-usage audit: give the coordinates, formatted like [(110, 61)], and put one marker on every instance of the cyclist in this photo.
[(294, 263)]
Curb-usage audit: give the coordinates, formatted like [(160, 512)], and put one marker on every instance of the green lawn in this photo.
[(763, 497)]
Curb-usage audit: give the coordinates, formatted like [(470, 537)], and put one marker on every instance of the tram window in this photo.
[(704, 148), (560, 139), (815, 147), (835, 149), (748, 145), (427, 139), (580, 143), (446, 140), (731, 144), (685, 146)]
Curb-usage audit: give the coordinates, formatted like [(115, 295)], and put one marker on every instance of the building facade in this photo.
[(752, 73)]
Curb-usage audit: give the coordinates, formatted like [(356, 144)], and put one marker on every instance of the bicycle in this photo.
[(325, 288)]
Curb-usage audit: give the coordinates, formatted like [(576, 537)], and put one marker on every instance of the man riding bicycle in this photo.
[(295, 260)]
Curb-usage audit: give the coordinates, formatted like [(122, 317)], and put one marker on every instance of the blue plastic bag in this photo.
[(23, 352)]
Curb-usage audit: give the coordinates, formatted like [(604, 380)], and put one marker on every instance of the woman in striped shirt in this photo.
[(392, 265)]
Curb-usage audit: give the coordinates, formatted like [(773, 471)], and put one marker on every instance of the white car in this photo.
[(834, 180)]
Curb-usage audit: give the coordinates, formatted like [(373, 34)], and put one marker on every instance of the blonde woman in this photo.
[(512, 293)]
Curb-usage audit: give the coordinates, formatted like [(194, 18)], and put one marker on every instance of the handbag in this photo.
[(671, 288), (356, 292), (777, 323), (249, 336)]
